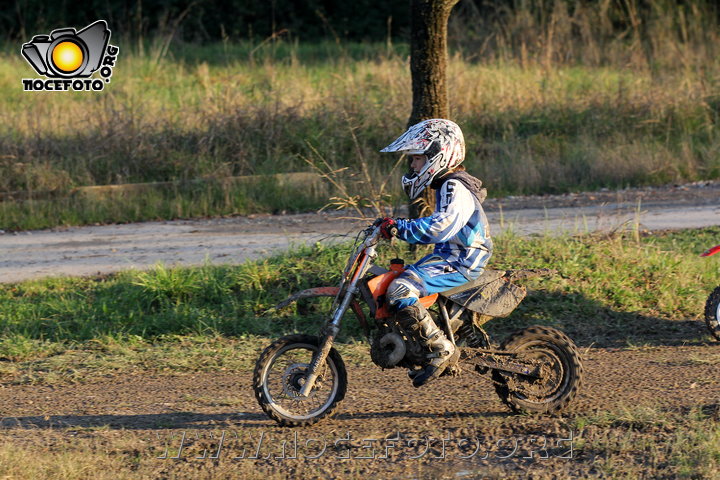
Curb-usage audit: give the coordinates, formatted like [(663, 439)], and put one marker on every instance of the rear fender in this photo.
[(494, 294)]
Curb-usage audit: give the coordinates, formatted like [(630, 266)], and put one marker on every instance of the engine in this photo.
[(391, 347)]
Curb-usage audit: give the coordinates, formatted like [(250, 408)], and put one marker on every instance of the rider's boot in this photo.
[(417, 320)]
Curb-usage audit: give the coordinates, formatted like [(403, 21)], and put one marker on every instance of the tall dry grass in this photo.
[(577, 95)]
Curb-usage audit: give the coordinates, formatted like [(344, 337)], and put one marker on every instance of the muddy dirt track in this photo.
[(161, 414), (212, 424)]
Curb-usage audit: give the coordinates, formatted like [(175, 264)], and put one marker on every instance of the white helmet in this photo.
[(440, 140)]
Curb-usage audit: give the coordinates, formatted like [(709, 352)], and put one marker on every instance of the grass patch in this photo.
[(183, 200), (614, 290), (91, 454), (609, 291), (165, 355)]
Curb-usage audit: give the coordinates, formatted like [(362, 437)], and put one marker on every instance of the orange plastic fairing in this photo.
[(428, 301), (378, 287)]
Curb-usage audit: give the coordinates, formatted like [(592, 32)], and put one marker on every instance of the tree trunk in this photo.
[(428, 68)]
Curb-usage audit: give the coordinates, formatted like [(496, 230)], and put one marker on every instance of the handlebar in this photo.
[(372, 234)]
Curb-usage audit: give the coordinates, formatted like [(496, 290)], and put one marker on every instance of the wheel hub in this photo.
[(550, 374), (294, 378)]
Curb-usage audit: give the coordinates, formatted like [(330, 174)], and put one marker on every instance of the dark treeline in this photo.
[(214, 20), (203, 21)]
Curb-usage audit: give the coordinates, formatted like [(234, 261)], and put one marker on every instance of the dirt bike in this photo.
[(300, 379), (712, 306)]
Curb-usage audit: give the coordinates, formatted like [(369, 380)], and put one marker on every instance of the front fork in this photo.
[(318, 359), (331, 330)]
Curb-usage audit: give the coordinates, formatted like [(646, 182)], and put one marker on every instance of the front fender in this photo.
[(322, 292), (309, 293)]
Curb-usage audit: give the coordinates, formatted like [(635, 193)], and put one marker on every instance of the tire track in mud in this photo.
[(660, 376), (156, 410)]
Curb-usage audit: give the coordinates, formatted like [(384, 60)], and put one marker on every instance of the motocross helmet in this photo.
[(440, 140)]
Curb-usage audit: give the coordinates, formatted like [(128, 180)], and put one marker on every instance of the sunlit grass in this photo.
[(530, 127)]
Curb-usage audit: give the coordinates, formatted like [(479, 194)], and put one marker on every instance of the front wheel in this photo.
[(712, 313), (280, 374), (560, 368)]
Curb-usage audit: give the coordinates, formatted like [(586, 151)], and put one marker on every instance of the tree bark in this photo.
[(428, 69), (428, 58)]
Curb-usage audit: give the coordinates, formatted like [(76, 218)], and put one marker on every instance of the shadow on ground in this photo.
[(202, 421), (590, 323)]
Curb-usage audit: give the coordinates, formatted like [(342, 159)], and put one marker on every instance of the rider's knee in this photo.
[(402, 293)]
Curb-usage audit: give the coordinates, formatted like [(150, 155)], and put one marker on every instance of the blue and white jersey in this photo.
[(458, 228)]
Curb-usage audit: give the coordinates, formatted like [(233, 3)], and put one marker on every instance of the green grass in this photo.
[(614, 289), (611, 291)]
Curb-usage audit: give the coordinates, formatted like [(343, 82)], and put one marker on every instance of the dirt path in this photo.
[(110, 248), (158, 414), (143, 419), (663, 377)]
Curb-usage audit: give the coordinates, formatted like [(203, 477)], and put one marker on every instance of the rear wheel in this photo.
[(560, 367), (712, 313), (280, 374)]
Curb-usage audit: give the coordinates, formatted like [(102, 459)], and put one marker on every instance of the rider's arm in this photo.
[(455, 209)]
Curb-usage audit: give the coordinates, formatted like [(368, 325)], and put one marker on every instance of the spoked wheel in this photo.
[(280, 374), (712, 313), (556, 358)]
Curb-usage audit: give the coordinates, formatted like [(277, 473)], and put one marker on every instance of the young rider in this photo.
[(458, 228)]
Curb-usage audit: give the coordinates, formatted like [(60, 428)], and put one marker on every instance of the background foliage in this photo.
[(553, 96)]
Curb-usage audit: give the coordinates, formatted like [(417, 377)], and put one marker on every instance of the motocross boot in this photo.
[(418, 321)]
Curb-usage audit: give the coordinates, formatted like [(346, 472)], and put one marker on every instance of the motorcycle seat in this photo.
[(488, 276), (490, 294)]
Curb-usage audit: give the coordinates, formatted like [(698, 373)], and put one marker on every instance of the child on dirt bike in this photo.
[(458, 228)]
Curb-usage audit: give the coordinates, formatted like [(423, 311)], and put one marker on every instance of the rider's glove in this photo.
[(388, 227)]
